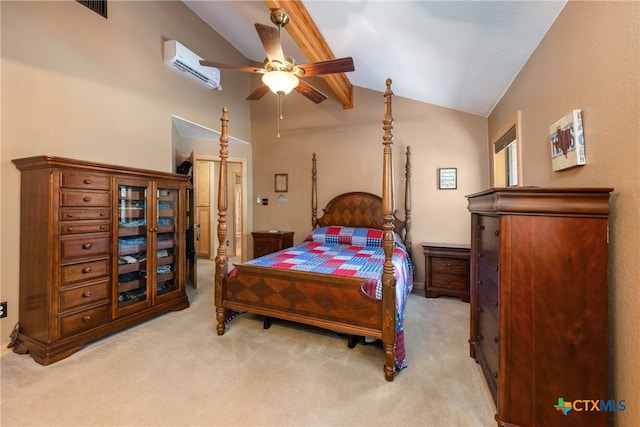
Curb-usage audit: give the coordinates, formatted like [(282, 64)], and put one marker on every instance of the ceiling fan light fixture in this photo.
[(280, 81)]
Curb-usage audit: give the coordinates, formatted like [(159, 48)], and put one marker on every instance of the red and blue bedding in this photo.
[(355, 252)]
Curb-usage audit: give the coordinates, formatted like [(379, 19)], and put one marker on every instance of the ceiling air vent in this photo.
[(98, 6)]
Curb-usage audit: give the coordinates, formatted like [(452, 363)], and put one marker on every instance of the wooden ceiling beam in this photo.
[(307, 36)]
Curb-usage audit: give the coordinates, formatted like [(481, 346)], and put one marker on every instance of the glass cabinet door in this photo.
[(132, 247), (166, 241)]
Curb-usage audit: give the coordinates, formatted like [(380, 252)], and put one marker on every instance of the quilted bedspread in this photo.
[(355, 252)]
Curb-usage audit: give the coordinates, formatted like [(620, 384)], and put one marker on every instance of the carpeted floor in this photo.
[(175, 371)]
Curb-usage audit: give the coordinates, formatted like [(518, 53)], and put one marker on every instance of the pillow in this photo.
[(346, 236)]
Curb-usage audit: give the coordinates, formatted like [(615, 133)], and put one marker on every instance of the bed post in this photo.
[(388, 276), (407, 203), (221, 255), (314, 193)]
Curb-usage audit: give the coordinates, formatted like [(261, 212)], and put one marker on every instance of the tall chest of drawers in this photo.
[(539, 301), (71, 233)]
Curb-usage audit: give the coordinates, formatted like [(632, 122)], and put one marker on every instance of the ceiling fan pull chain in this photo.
[(279, 112)]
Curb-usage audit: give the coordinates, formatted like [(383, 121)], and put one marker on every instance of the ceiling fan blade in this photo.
[(270, 39), (310, 92), (258, 93), (232, 67), (331, 66)]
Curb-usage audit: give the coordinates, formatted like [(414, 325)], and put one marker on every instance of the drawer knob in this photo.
[(86, 246), (480, 283), (480, 310), (102, 227), (87, 270), (480, 337), (482, 227), (497, 232), (449, 264), (69, 215), (69, 229), (496, 268), (495, 374), (87, 181), (86, 319), (87, 199), (103, 214), (449, 281), (496, 303), (86, 294), (495, 339)]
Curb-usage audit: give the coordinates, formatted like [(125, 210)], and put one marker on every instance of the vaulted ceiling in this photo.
[(456, 54)]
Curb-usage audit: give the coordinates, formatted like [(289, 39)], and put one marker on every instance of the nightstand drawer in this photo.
[(449, 273), (267, 242), (446, 270)]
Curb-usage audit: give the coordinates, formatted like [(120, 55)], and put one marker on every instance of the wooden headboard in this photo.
[(356, 209)]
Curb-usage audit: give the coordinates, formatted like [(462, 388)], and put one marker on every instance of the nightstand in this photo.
[(266, 242), (446, 270)]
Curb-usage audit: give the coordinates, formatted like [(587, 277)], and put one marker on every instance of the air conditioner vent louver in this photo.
[(183, 67), (182, 59)]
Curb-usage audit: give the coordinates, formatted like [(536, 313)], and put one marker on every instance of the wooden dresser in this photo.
[(446, 270), (102, 247), (539, 301), (266, 242)]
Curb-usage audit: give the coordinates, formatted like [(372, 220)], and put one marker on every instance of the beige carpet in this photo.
[(175, 371)]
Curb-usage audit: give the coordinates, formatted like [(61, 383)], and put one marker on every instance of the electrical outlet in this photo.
[(3, 309)]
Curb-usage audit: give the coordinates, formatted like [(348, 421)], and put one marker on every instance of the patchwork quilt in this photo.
[(355, 252)]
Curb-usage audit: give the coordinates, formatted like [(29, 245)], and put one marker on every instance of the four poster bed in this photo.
[(352, 274)]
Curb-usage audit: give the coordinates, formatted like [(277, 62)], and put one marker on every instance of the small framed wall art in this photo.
[(447, 178), (567, 142), (282, 182)]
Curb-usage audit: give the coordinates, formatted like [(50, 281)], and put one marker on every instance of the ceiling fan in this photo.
[(280, 73)]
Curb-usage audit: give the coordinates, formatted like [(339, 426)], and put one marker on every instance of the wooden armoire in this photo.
[(539, 301), (102, 247)]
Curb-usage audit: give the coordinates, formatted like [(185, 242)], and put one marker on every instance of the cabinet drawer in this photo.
[(488, 297), (84, 227), (88, 181), (84, 271), (82, 214), (487, 322), (83, 320), (489, 350), (84, 198), (82, 295), (84, 246)]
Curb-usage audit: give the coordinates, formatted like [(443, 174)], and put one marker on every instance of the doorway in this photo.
[(205, 187)]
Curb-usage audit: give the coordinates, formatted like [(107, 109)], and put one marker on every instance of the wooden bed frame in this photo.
[(332, 302)]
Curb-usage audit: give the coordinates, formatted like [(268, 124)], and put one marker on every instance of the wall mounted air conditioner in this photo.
[(182, 59)]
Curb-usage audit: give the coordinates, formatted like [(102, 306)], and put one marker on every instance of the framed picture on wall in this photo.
[(447, 178), (282, 182)]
